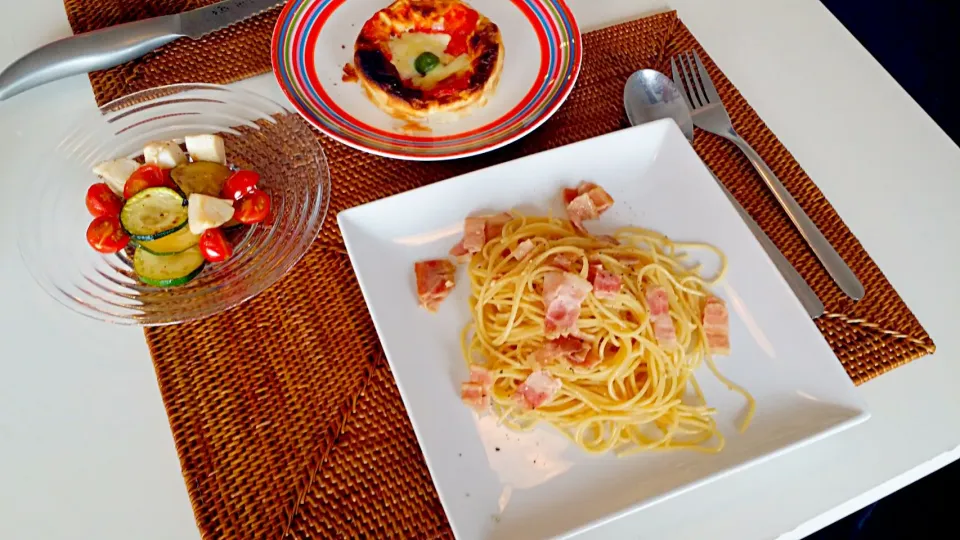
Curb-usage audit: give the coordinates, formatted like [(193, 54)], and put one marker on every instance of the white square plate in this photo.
[(495, 483)]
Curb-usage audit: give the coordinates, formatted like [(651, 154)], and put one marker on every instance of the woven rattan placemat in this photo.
[(285, 415)]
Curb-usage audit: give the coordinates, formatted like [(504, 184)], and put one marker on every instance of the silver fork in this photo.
[(709, 115)]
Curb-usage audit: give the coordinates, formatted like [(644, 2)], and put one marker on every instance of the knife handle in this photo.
[(91, 51)]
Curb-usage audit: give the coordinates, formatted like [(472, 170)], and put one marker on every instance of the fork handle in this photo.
[(829, 258)]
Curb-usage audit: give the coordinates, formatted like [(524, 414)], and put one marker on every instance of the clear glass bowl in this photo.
[(259, 134)]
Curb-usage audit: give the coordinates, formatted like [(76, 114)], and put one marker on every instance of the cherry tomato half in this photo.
[(253, 207), (106, 235), (239, 184), (147, 176), (214, 245), (102, 201)]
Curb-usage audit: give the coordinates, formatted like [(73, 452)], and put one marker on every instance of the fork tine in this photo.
[(711, 91), (678, 82), (692, 83)]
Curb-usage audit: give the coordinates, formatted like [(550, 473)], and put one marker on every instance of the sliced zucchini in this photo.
[(171, 243), (153, 213), (203, 177), (167, 270)]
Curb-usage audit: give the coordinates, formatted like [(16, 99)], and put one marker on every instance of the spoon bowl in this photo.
[(649, 95)]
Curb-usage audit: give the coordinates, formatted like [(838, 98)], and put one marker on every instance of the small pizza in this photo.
[(418, 58)]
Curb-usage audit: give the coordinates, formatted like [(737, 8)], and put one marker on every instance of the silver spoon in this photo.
[(649, 95)]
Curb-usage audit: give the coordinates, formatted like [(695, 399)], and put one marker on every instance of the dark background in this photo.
[(918, 43)]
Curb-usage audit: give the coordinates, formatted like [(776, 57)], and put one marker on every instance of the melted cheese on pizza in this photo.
[(405, 49)]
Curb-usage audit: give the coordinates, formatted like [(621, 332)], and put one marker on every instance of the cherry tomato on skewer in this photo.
[(252, 208), (147, 176), (240, 184), (106, 235), (102, 201), (214, 246)]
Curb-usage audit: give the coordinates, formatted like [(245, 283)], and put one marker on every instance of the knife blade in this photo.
[(198, 22), (108, 47), (808, 298)]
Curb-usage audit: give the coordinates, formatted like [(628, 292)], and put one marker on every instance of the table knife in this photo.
[(102, 49), (808, 298)]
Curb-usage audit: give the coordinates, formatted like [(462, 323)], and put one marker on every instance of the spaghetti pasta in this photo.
[(637, 394)]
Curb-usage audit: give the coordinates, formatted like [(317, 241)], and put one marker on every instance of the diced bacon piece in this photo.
[(538, 389), (474, 396), (602, 200), (663, 328), (561, 261), (495, 223), (561, 318), (435, 280), (474, 234), (588, 201), (476, 392), (563, 293), (570, 194), (605, 284), (716, 324), (481, 375), (523, 249), (564, 285), (460, 253), (657, 301), (575, 351), (581, 209), (665, 332), (571, 349)]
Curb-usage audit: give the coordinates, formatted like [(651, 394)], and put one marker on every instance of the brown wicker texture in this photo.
[(284, 413)]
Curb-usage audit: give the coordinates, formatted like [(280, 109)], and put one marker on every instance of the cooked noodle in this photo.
[(640, 396)]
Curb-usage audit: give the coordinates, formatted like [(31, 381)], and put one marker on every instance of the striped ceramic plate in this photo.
[(313, 41)]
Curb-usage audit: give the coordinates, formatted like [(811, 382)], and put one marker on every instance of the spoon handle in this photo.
[(828, 256), (797, 284)]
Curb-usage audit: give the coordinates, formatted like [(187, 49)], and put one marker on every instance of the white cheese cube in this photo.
[(165, 154), (206, 212), (206, 148), (115, 172)]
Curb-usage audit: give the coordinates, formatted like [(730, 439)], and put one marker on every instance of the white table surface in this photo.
[(85, 447)]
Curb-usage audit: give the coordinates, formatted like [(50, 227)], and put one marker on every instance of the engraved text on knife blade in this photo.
[(202, 21)]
